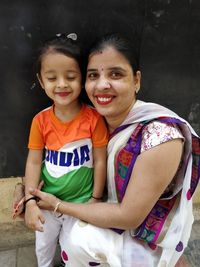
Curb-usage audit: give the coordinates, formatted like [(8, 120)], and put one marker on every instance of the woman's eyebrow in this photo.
[(88, 70), (110, 68), (116, 68)]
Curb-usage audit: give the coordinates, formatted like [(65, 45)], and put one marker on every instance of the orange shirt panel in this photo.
[(48, 131)]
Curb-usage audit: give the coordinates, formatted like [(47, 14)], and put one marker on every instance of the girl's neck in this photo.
[(67, 113)]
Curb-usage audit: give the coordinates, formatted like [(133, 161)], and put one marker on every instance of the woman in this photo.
[(153, 170)]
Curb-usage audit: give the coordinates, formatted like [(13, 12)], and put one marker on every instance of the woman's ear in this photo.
[(137, 78), (40, 80)]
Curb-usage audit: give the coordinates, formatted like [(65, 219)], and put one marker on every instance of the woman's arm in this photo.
[(153, 172), (99, 156)]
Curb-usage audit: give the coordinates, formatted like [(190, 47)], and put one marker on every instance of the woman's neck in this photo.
[(115, 121)]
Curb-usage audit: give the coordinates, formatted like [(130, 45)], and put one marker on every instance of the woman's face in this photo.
[(111, 84)]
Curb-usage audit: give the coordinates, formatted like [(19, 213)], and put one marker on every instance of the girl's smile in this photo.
[(62, 94), (60, 77)]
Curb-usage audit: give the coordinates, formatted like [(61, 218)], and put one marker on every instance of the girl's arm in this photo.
[(33, 170), (99, 157), (152, 173), (33, 215)]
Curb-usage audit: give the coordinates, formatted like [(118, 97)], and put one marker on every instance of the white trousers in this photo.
[(55, 230), (88, 245)]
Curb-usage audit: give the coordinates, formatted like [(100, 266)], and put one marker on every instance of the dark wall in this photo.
[(170, 56)]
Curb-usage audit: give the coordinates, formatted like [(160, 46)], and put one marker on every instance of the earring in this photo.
[(137, 90)]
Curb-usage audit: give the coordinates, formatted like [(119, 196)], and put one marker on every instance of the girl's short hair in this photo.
[(61, 43)]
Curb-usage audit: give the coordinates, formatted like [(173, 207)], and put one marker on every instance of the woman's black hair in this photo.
[(129, 48)]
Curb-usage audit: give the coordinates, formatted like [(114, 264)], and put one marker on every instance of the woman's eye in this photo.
[(116, 75), (92, 75)]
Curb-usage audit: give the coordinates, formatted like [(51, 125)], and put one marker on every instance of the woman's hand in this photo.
[(46, 201), (93, 200)]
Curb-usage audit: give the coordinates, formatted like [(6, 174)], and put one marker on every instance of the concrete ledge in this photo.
[(17, 242), (17, 247), (14, 235), (7, 186)]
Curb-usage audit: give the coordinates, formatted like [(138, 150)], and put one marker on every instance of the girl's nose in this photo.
[(61, 83)]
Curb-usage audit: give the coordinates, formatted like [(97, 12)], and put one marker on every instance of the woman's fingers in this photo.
[(44, 205), (47, 201), (37, 193), (40, 185)]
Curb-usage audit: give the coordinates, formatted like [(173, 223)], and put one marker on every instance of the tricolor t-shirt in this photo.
[(67, 170)]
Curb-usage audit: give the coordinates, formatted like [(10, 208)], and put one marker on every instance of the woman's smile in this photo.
[(104, 99)]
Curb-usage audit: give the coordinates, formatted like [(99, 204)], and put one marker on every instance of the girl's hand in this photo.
[(47, 201), (34, 217), (18, 199), (18, 209)]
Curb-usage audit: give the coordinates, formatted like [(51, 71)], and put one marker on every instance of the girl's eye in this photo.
[(71, 78), (51, 79)]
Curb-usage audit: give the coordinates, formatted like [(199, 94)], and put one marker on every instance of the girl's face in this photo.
[(60, 77), (111, 84)]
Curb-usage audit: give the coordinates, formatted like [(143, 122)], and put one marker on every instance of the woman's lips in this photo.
[(104, 99)]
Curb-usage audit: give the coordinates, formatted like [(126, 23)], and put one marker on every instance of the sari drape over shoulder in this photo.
[(169, 224), (147, 246)]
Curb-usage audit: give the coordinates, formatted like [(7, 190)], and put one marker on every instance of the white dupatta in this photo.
[(180, 228)]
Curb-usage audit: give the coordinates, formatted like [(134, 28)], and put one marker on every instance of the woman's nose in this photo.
[(103, 83)]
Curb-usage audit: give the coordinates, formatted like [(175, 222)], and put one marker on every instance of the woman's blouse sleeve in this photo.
[(156, 133)]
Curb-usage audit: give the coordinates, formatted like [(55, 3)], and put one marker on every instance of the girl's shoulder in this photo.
[(43, 115), (44, 111)]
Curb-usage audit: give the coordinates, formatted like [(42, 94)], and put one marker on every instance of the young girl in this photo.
[(74, 137)]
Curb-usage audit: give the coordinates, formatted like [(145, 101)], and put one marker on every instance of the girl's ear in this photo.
[(40, 80)]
